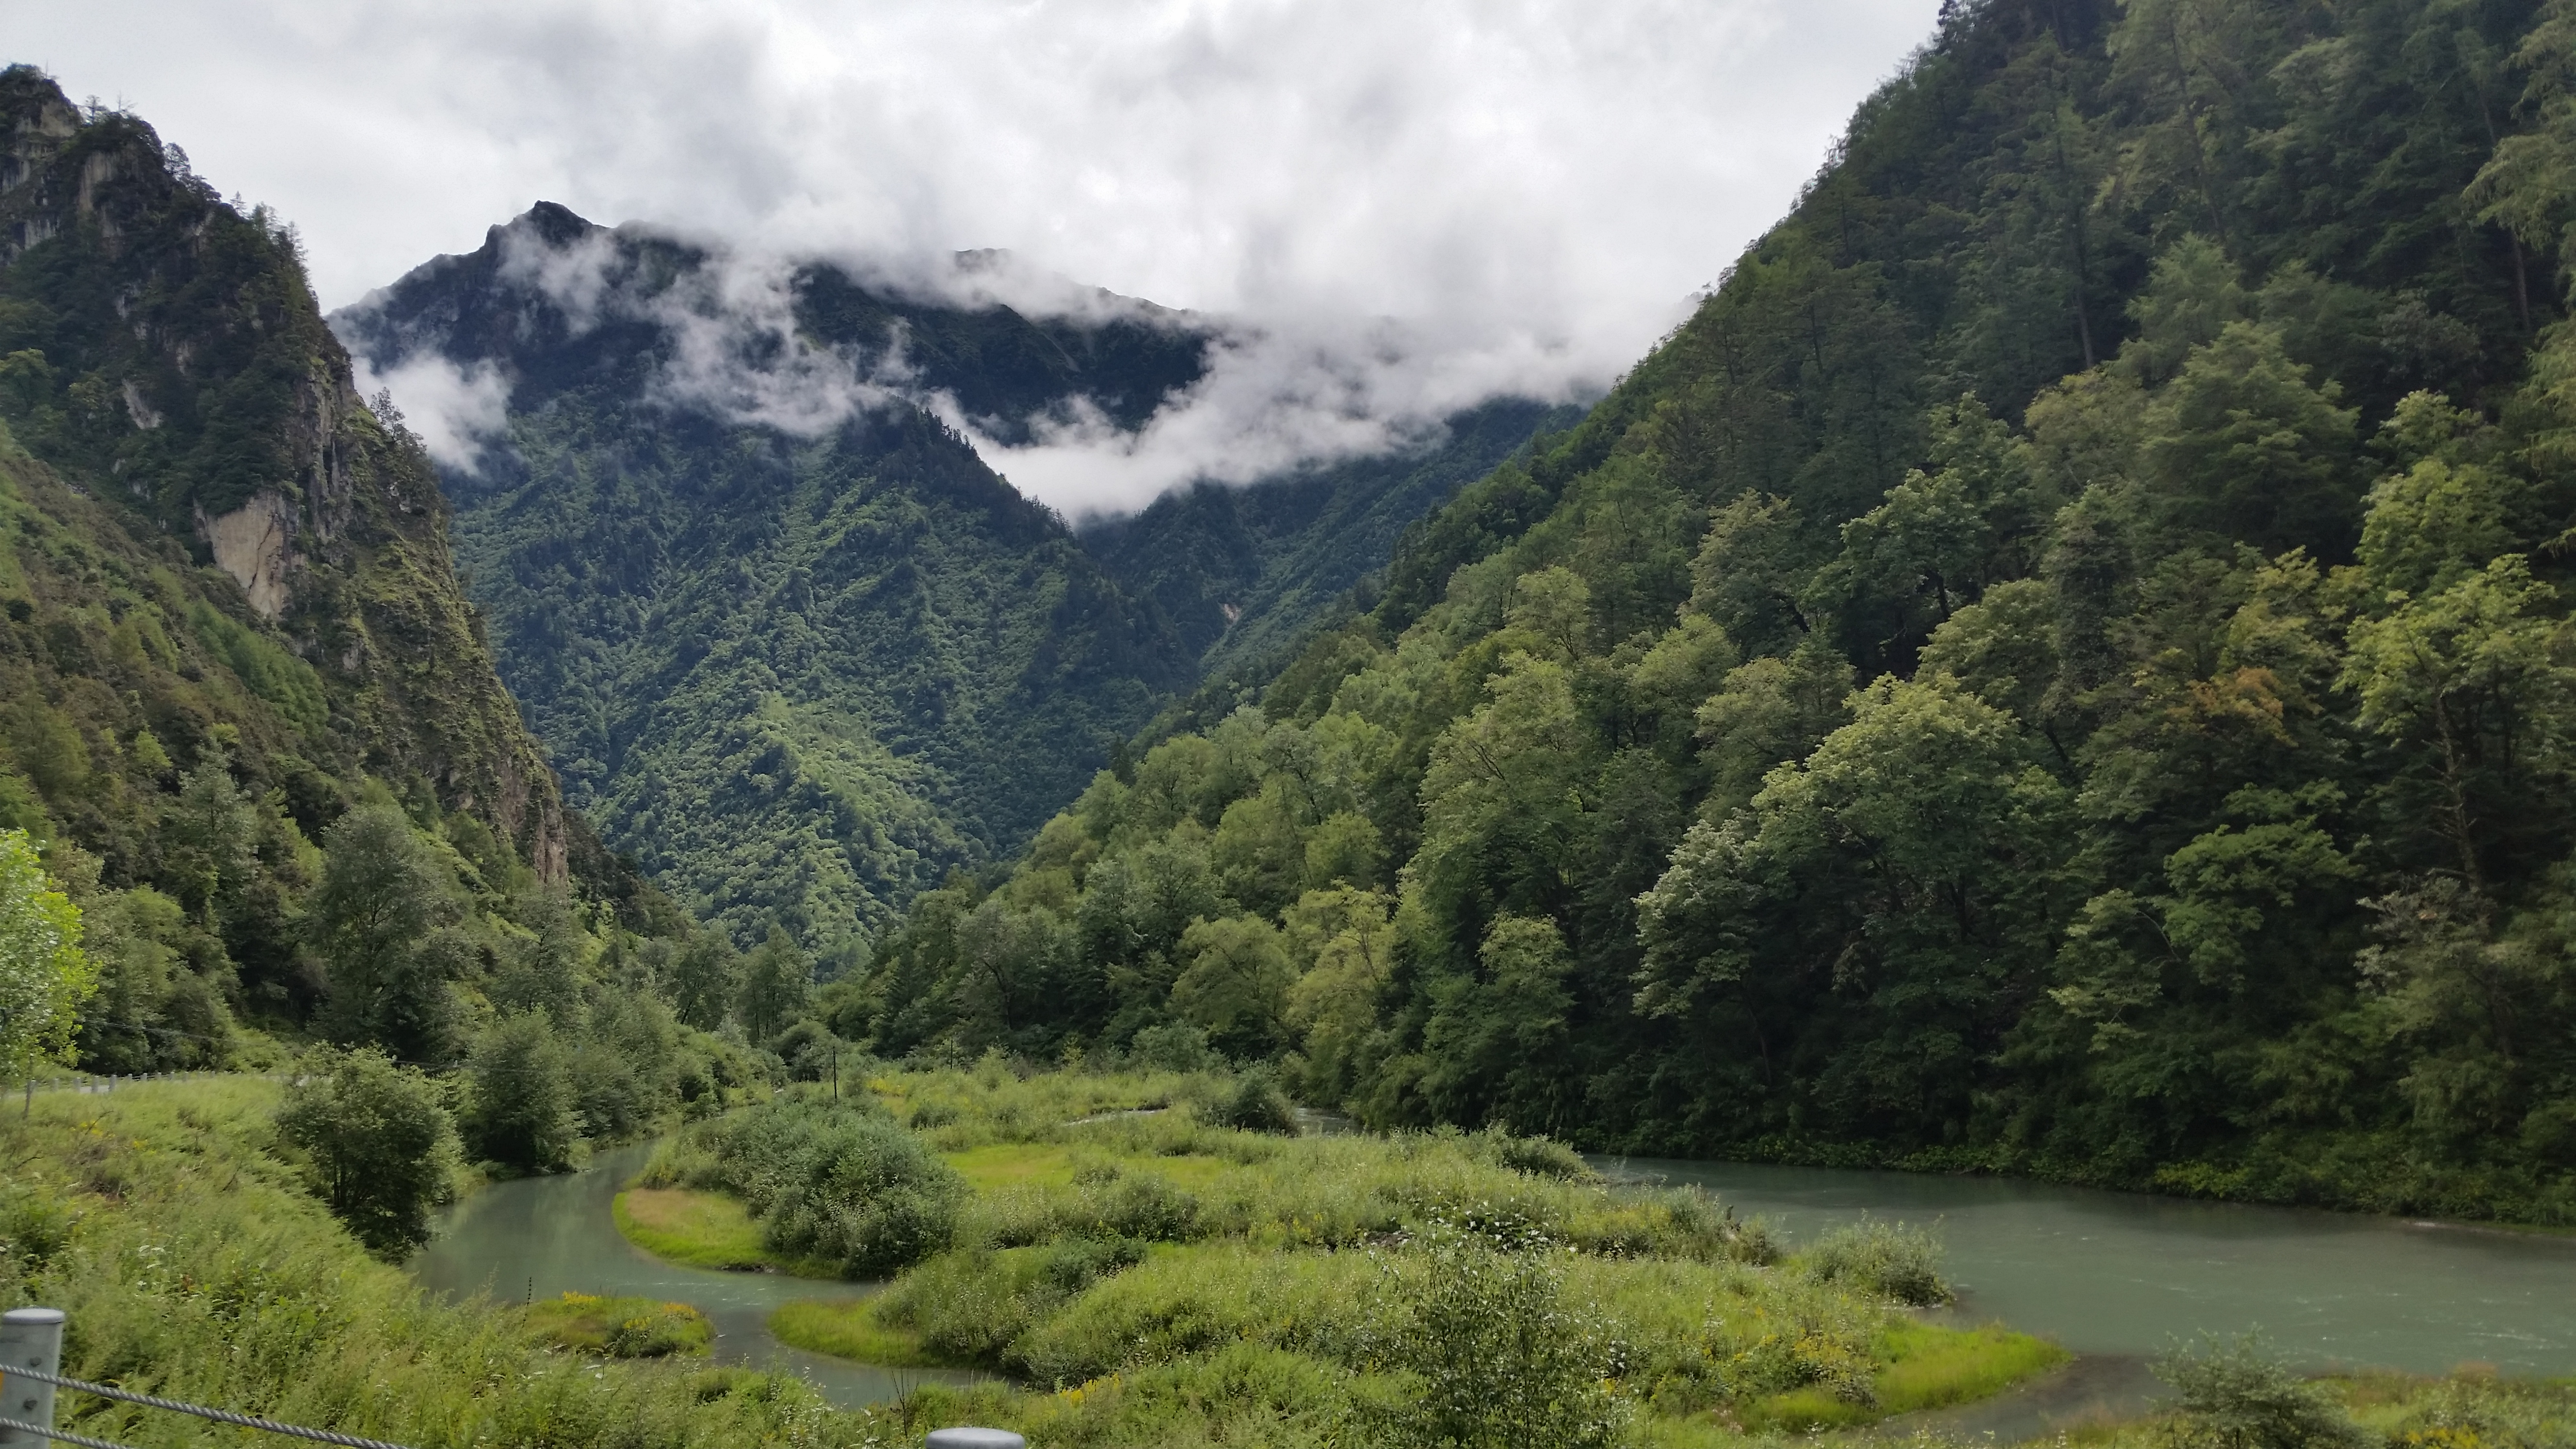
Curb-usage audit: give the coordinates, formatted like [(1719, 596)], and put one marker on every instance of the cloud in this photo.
[(457, 411), (1273, 400), (1522, 192)]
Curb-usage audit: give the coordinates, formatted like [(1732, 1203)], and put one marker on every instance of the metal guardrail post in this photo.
[(30, 1338), (975, 1439)]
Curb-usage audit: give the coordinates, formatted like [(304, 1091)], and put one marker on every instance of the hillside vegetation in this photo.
[(789, 640), (248, 718), (2059, 666)]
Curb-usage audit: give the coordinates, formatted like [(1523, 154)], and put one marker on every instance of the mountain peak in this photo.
[(554, 223)]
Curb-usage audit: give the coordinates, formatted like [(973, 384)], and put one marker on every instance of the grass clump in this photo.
[(619, 1327), (1894, 1261), (830, 1183), (849, 1328)]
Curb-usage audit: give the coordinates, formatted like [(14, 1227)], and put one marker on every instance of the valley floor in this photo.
[(1141, 1280)]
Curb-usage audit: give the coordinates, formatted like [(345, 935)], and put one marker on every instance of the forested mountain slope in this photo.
[(2062, 665), (786, 637), (799, 666), (244, 704), (1244, 572)]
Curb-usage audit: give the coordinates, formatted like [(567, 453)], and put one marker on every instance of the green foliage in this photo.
[(44, 976), (2059, 666), (1436, 1287), (377, 918), (197, 1268), (381, 1146), (520, 1107), (619, 1327), (2235, 1395), (1884, 1260), (1493, 1354), (1258, 1105), (828, 1182)]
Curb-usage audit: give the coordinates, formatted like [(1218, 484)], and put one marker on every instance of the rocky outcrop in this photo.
[(253, 543)]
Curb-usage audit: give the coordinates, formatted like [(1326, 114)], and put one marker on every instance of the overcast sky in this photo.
[(1531, 189)]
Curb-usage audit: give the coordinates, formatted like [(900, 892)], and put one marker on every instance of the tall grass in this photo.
[(192, 1264)]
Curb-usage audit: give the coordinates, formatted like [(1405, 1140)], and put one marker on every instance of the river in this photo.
[(2120, 1277), (2116, 1277), (541, 1236)]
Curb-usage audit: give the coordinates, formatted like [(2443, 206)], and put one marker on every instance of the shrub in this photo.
[(1139, 1205), (2236, 1395), (1257, 1105), (829, 1180), (1712, 1230), (1538, 1156), (382, 1150), (1883, 1260), (1178, 1047), (1493, 1354)]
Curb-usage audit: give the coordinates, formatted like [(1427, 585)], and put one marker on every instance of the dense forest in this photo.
[(270, 772), (2059, 666), (789, 641)]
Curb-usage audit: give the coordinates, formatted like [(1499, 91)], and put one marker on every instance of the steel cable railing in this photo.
[(155, 1401)]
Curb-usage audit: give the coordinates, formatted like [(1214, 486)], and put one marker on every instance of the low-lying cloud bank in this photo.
[(1273, 398)]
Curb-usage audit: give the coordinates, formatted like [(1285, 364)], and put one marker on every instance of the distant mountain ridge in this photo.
[(796, 646)]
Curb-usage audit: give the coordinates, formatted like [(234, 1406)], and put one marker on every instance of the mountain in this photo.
[(786, 637), (2060, 666), (1243, 571), (230, 609)]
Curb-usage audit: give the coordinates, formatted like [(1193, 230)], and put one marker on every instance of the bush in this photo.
[(1883, 1260), (382, 1149), (1257, 1105), (1141, 1205), (1539, 1157), (1494, 1355), (519, 1109), (1712, 1229), (835, 1181), (2236, 1395)]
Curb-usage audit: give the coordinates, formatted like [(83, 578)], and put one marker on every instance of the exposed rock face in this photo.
[(252, 544), (193, 382)]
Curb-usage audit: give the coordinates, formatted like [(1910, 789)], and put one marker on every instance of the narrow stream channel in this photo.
[(543, 1236)]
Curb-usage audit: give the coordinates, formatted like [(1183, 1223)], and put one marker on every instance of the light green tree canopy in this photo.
[(44, 977)]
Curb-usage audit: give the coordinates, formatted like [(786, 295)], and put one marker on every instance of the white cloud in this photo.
[(1530, 188), (457, 411)]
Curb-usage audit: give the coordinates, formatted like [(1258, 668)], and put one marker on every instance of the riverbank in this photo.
[(193, 1263)]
